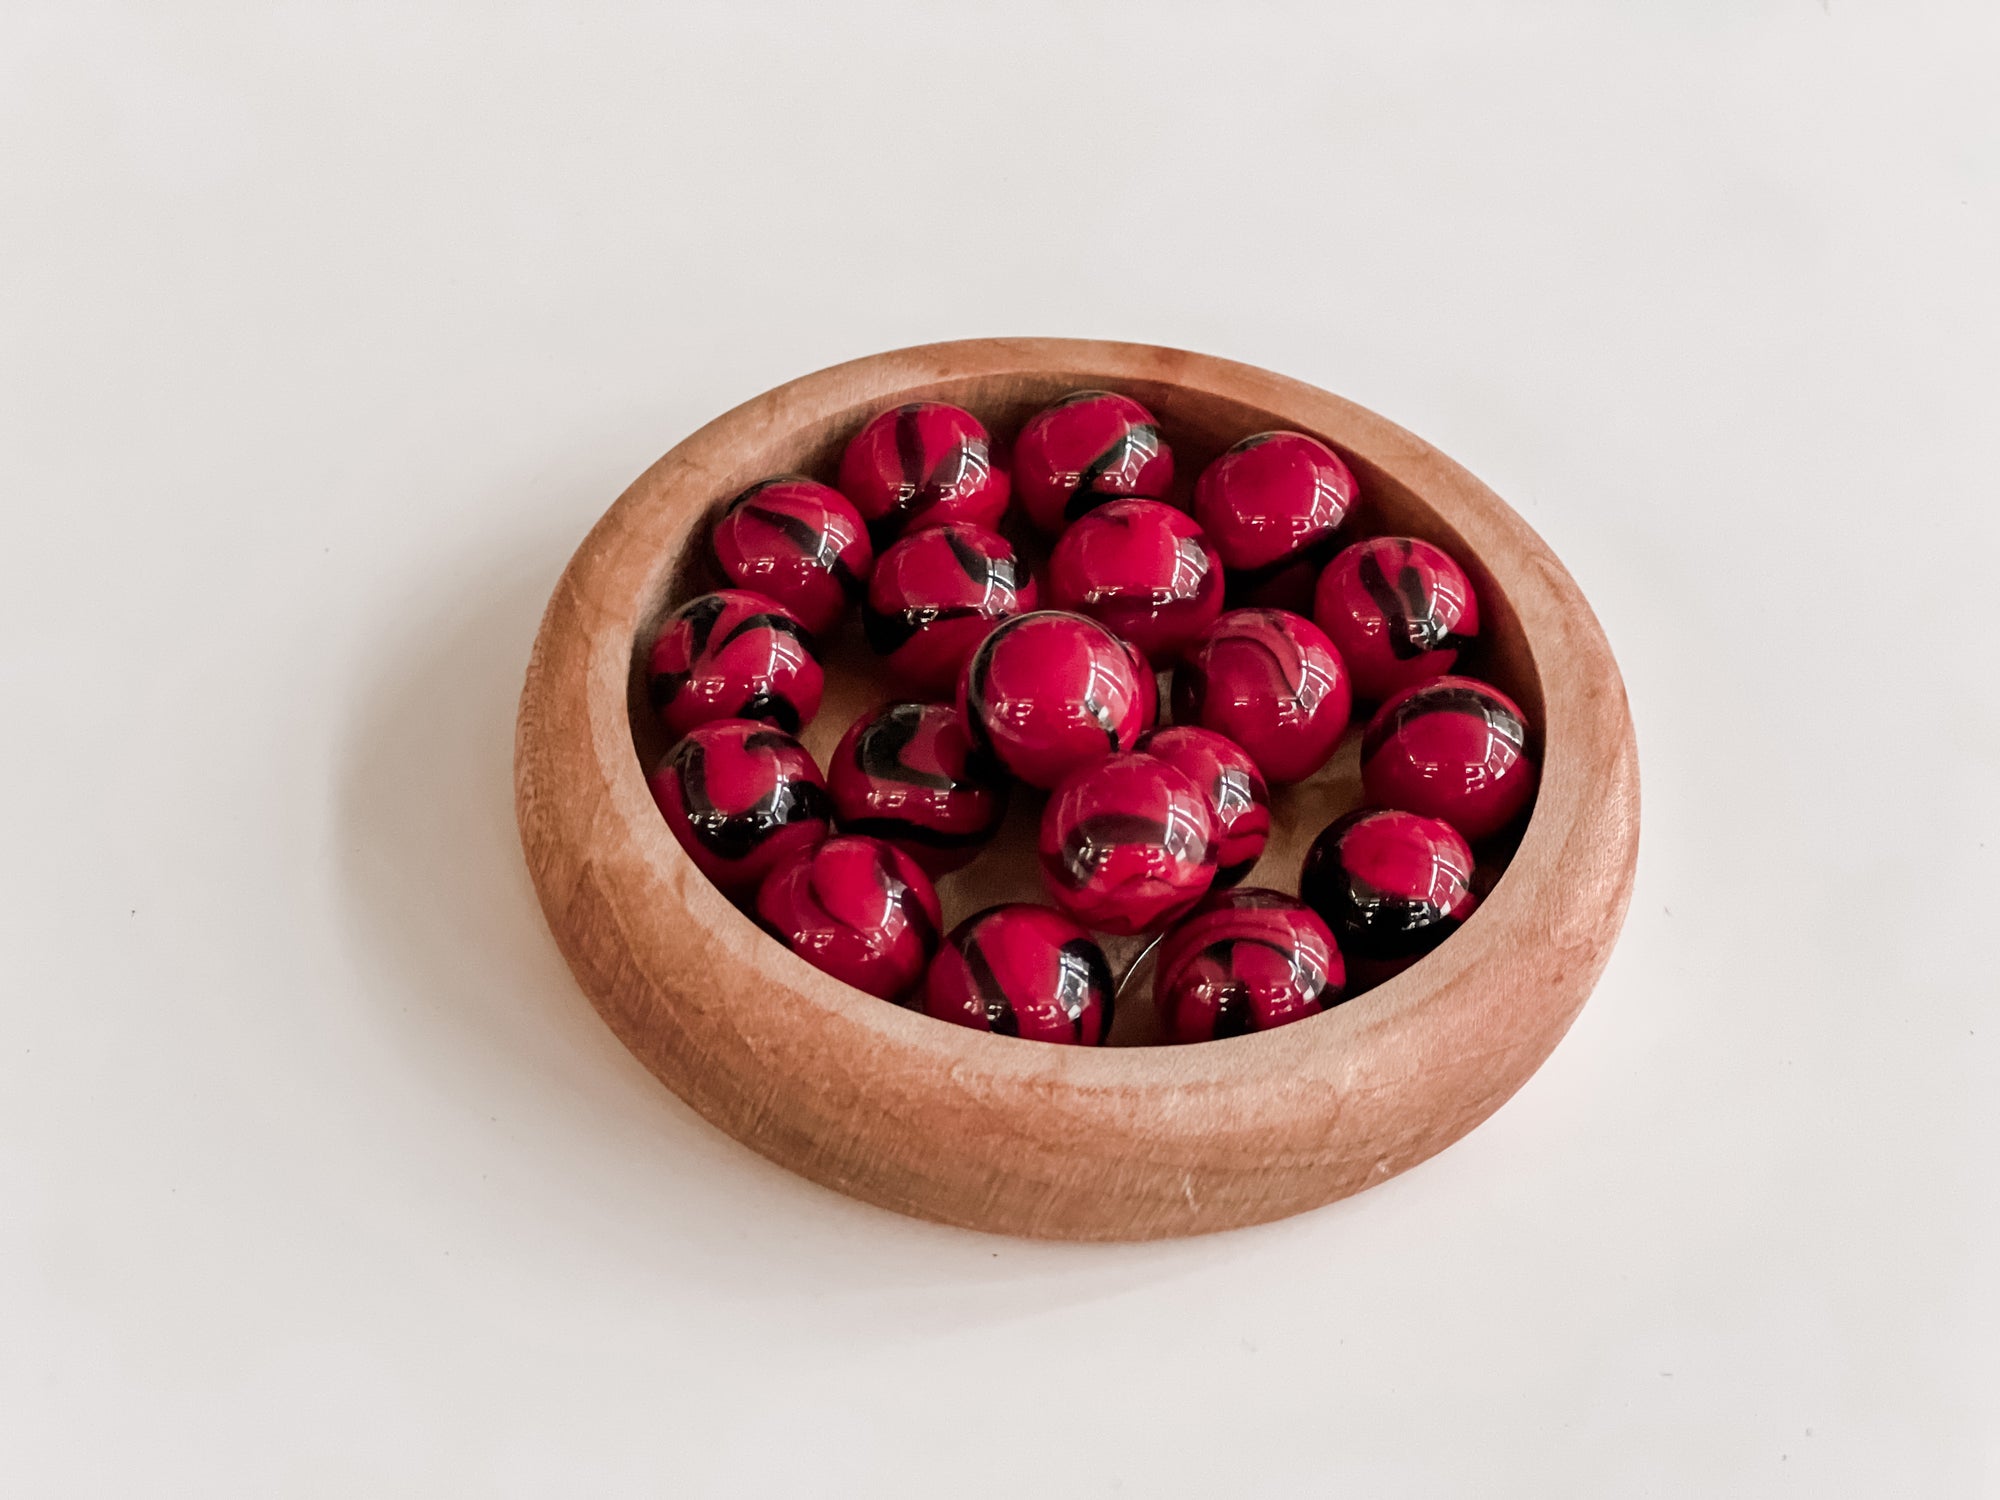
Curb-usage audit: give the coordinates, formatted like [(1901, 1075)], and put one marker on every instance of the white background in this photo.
[(326, 332)]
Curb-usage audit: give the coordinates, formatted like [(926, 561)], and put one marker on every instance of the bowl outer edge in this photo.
[(997, 1134)]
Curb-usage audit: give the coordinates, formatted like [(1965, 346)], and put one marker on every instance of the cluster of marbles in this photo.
[(1272, 625)]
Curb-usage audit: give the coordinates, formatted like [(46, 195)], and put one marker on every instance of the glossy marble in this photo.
[(1399, 610), (906, 774), (1246, 960), (925, 463), (1144, 569), (1086, 449), (1049, 692), (733, 654), (935, 595), (799, 542), (1271, 505), (1127, 845), (856, 908), (741, 797), (1022, 970), (1391, 886), (1271, 681), (1454, 749)]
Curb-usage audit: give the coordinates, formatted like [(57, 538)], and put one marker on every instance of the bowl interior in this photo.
[(1199, 425)]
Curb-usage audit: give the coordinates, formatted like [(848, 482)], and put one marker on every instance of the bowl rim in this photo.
[(992, 1132)]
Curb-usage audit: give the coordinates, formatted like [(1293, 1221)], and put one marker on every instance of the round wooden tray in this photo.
[(1124, 1141)]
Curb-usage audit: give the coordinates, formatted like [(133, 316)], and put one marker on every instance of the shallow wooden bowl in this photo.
[(1120, 1142)]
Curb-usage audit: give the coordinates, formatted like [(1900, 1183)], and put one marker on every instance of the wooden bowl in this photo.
[(1114, 1143)]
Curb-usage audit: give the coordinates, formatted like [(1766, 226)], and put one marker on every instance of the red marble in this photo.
[(858, 909), (1127, 845), (1087, 448), (741, 797), (1399, 610), (924, 464), (1451, 748), (1025, 971), (799, 542), (935, 595), (1144, 569), (1246, 960), (1271, 505), (1391, 886), (733, 654), (1271, 681), (1049, 692), (906, 774)]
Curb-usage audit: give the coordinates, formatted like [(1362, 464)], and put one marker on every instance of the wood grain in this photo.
[(1123, 1142)]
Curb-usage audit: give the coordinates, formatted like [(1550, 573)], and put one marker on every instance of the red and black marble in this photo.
[(1025, 971), (799, 542), (1049, 692), (1127, 845), (1246, 960), (906, 774), (936, 594), (733, 654), (1391, 885), (1271, 506), (1451, 748), (924, 464), (1144, 569), (858, 909), (1087, 448), (741, 797), (1271, 681), (1399, 610), (1235, 789)]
